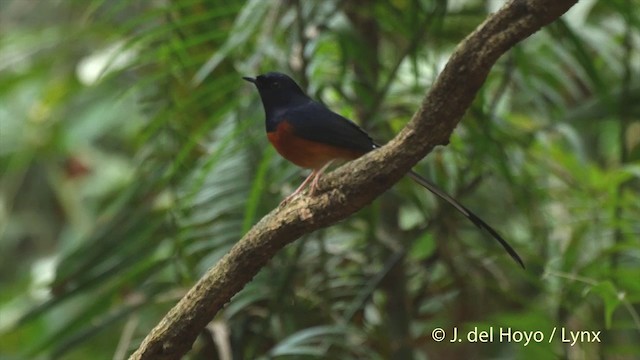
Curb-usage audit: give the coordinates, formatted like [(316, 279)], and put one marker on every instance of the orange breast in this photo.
[(305, 153)]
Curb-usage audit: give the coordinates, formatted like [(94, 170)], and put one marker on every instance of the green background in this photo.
[(133, 156)]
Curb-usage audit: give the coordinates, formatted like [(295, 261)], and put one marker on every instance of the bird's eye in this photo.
[(276, 84)]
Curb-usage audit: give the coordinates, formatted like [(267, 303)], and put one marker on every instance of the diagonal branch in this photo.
[(356, 184)]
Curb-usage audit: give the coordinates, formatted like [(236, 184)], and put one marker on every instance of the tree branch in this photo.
[(356, 184)]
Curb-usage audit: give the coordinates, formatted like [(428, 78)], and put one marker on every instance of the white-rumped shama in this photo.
[(311, 136)]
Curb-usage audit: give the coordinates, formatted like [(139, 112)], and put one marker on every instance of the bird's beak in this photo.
[(249, 79)]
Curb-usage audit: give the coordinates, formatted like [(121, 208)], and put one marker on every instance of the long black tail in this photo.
[(466, 212)]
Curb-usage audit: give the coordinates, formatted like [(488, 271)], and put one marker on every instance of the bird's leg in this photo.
[(300, 188), (314, 176), (314, 184)]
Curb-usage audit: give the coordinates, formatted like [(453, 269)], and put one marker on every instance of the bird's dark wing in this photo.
[(315, 122)]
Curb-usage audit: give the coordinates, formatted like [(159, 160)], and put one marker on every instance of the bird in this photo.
[(310, 135)]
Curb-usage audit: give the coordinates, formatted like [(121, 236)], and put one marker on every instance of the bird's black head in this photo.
[(277, 91)]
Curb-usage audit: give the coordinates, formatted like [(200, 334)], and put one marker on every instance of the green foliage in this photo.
[(133, 157)]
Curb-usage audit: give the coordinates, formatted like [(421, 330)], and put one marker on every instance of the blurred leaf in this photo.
[(305, 342), (424, 247), (609, 295)]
